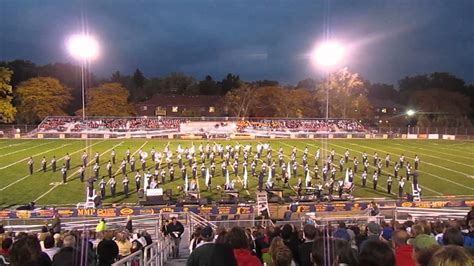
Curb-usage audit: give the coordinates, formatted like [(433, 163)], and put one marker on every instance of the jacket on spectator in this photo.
[(403, 256), (178, 227), (67, 256), (304, 251), (108, 251), (244, 257)]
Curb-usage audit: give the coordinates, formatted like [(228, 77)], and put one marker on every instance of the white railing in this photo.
[(429, 213)]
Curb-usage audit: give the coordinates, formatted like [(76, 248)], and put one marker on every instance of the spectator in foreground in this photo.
[(282, 257), (123, 243), (67, 255), (207, 253), (49, 247), (451, 255), (453, 236), (333, 251), (238, 240), (376, 253), (107, 250), (310, 233), (5, 250), (26, 251), (403, 251), (373, 233)]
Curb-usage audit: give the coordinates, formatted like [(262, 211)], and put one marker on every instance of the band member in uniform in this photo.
[(102, 186), (402, 160), (171, 174), (96, 169), (364, 178), (84, 158), (127, 155), (113, 154), (366, 166), (333, 153), (81, 173), (67, 159), (143, 160), (389, 184), (376, 158), (254, 168), (43, 164), (113, 185), (53, 164), (396, 168), (346, 156), (340, 188), (260, 180), (132, 164), (109, 169), (97, 158), (183, 172), (401, 184), (356, 165), (364, 157), (64, 173), (138, 178), (163, 176), (417, 162), (341, 164), (30, 165), (123, 167), (387, 160), (379, 167), (375, 179), (125, 186)]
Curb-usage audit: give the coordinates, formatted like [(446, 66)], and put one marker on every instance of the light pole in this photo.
[(327, 55), (84, 48)]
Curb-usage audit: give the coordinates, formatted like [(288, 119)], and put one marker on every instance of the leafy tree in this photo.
[(382, 91), (230, 82), (22, 70), (7, 111), (108, 99), (208, 86), (266, 83), (41, 97), (138, 79), (239, 100), (343, 87)]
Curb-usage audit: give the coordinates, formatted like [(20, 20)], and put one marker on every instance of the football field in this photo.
[(446, 167)]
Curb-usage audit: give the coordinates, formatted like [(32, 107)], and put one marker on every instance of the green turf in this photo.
[(446, 168)]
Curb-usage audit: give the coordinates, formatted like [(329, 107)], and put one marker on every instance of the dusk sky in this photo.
[(385, 40)]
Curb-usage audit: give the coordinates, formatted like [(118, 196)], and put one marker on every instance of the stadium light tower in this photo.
[(84, 48), (327, 55)]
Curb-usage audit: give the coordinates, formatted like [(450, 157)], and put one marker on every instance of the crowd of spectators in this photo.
[(386, 244), (301, 125), (70, 248), (61, 124)]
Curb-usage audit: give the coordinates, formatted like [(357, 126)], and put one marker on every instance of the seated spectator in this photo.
[(26, 251), (304, 250), (49, 248), (403, 251), (238, 240), (67, 255), (332, 251), (451, 255), (376, 253)]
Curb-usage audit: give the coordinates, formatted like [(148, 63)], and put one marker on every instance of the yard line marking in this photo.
[(56, 185), (29, 148), (428, 163), (369, 181), (421, 147), (22, 160), (16, 144), (439, 177), (423, 187), (39, 170)]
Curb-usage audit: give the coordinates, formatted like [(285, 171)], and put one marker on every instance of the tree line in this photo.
[(30, 92)]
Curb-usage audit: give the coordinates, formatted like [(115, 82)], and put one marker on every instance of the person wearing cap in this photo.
[(373, 233), (175, 229)]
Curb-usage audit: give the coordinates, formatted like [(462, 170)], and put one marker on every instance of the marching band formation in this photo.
[(239, 164)]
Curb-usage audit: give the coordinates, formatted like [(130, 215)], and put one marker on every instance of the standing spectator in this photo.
[(238, 240), (123, 243), (26, 251), (208, 253), (310, 232), (291, 240), (67, 255), (453, 236), (56, 225), (49, 248), (373, 233), (129, 225), (333, 251), (175, 229), (403, 251), (107, 250), (376, 253), (101, 226), (282, 257), (470, 216)]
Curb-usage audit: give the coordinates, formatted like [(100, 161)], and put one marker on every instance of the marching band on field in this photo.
[(239, 163)]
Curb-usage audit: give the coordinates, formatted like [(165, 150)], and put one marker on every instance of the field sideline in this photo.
[(446, 167)]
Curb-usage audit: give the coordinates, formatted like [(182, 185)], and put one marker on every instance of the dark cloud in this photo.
[(256, 39)]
